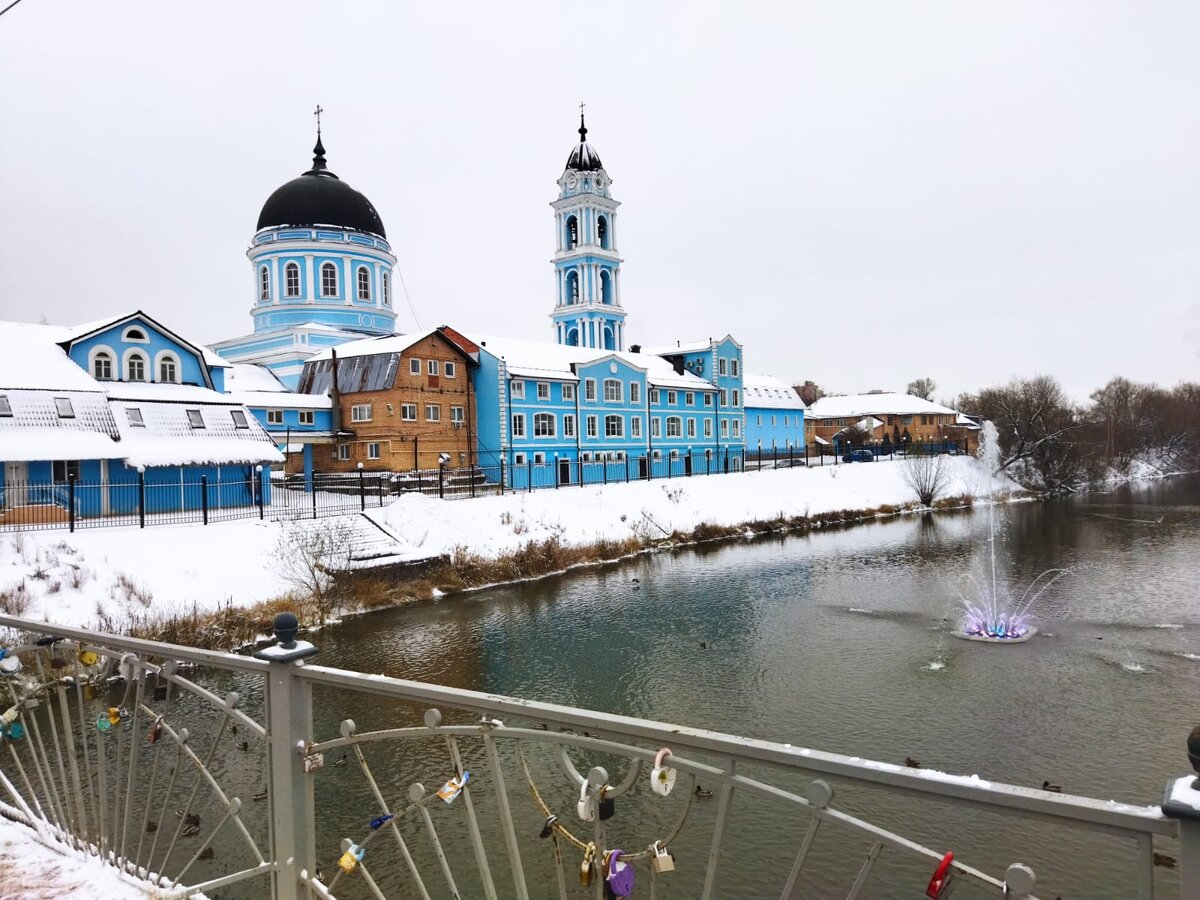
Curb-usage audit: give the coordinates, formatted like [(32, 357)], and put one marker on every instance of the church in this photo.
[(590, 406)]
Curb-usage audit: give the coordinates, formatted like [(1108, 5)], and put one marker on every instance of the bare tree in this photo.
[(857, 435), (810, 392), (309, 557), (922, 387), (926, 474)]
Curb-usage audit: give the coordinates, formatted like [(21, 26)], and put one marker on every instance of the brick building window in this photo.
[(360, 412), (373, 450), (408, 412)]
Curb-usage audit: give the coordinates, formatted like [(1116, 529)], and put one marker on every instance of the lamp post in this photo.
[(362, 489), (259, 482)]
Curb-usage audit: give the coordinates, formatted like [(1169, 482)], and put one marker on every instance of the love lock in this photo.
[(939, 884), (155, 731), (313, 762), (585, 867), (351, 858), (608, 806), (102, 723), (548, 828), (9, 665), (586, 807), (452, 788), (14, 731), (88, 657), (662, 778), (661, 859), (620, 874)]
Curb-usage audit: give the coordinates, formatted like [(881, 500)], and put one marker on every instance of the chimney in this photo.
[(635, 348), (335, 394)]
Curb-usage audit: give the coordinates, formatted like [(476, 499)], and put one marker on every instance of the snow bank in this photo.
[(178, 568)]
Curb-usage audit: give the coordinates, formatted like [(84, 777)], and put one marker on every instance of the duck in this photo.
[(911, 763), (320, 875), (635, 580), (151, 827), (191, 830), (206, 853), (192, 820), (261, 795), (243, 745), (340, 762), (702, 793), (1161, 859), (540, 726), (704, 645), (233, 727), (1053, 788)]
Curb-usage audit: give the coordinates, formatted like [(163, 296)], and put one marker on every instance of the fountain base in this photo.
[(988, 639)]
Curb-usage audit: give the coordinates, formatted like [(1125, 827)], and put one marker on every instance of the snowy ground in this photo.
[(29, 870), (68, 578)]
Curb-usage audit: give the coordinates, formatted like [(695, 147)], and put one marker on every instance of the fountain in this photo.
[(989, 619)]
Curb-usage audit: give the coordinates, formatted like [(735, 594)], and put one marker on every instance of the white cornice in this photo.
[(299, 248)]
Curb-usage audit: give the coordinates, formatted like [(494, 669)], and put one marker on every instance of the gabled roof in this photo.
[(78, 333), (690, 346), (33, 360), (858, 405)]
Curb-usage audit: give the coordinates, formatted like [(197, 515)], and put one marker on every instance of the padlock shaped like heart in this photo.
[(620, 874), (662, 778), (586, 807), (102, 723)]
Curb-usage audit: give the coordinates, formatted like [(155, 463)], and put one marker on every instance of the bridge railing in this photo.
[(241, 776)]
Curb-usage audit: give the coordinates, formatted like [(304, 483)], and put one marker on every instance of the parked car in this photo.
[(859, 455)]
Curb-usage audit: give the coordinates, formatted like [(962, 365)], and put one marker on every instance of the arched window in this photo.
[(264, 284), (572, 235), (573, 337), (610, 343), (134, 334), (364, 283), (602, 232), (543, 425), (168, 369), (329, 287), (606, 287), (135, 367), (387, 289), (572, 287), (102, 368), (291, 277)]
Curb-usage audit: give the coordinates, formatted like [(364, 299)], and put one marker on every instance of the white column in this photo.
[(311, 294), (276, 288), (349, 280)]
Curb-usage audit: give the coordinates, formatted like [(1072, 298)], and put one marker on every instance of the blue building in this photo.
[(116, 405), (774, 416), (322, 270)]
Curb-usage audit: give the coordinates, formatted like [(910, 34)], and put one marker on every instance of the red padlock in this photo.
[(941, 877)]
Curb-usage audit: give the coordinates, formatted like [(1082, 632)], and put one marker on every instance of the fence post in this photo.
[(71, 501), (258, 481), (502, 476), (529, 476), (204, 498), (362, 489), (141, 496), (289, 730), (726, 460), (441, 480)]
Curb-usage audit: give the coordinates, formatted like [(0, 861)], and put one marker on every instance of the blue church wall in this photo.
[(768, 428), (190, 369), (217, 374), (486, 386)]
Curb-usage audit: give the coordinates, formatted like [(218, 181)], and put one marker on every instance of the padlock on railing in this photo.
[(452, 788), (586, 807), (351, 858), (940, 884), (661, 859), (585, 867), (607, 807), (155, 732), (662, 778), (9, 665), (620, 874)]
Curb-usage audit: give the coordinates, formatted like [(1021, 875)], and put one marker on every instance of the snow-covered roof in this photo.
[(388, 343), (866, 423), (277, 400), (76, 332), (765, 392), (249, 377), (32, 359), (535, 359), (680, 347), (858, 405), (166, 436)]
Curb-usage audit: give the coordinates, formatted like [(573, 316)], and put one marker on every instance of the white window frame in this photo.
[(518, 425), (449, 369), (593, 426), (387, 289), (107, 354), (434, 368), (569, 425), (518, 459), (708, 428), (343, 452), (274, 416), (635, 427), (677, 421), (543, 390), (708, 399), (737, 398), (611, 420), (722, 366), (264, 284), (408, 412), (127, 367), (672, 398), (724, 397), (373, 450), (362, 277), (135, 334), (361, 412), (166, 357), (655, 427), (457, 414), (654, 396), (539, 459), (306, 417), (517, 389), (689, 399), (414, 366), (568, 392), (545, 425), (613, 391), (691, 426), (589, 390), (433, 412), (195, 418), (724, 428), (291, 285), (635, 392), (737, 427), (734, 367), (325, 291)]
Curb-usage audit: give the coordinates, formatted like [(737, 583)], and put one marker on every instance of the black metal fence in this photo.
[(842, 452)]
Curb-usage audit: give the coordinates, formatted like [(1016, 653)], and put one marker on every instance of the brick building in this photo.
[(399, 403), (888, 418)]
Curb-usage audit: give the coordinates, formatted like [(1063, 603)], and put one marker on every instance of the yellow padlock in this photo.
[(114, 716), (348, 862), (88, 658), (585, 867), (89, 691)]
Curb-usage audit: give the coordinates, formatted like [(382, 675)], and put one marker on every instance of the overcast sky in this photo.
[(862, 193)]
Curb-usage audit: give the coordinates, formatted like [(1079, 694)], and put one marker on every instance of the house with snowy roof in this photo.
[(774, 415), (119, 415), (888, 418)]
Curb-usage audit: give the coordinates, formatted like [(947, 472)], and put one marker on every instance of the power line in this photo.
[(10, 6), (411, 308)]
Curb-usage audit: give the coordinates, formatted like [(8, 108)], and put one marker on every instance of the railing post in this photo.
[(529, 477), (362, 490), (314, 497), (258, 481), (289, 731), (141, 496), (502, 476), (71, 501), (204, 498), (1181, 802), (441, 481)]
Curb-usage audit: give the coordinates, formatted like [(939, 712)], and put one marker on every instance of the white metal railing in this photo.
[(182, 775)]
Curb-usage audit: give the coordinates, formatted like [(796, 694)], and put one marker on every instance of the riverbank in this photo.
[(224, 582)]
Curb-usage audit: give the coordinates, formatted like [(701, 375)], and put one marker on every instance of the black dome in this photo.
[(318, 197), (584, 157)]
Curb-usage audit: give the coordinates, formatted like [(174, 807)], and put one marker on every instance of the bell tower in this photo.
[(587, 270)]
